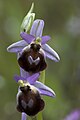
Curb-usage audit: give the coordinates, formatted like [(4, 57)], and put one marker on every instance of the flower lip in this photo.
[(32, 58), (29, 101)]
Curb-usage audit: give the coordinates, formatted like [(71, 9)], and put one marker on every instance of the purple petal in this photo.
[(50, 53), (37, 28), (27, 37), (17, 78), (51, 57), (32, 79), (24, 116), (44, 90), (45, 39), (17, 47)]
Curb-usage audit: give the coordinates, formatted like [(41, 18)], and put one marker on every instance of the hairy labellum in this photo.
[(32, 59), (29, 101)]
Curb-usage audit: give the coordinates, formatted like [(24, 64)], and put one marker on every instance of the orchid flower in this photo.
[(29, 95), (35, 36)]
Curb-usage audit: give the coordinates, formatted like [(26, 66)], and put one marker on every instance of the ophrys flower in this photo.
[(29, 94), (33, 50)]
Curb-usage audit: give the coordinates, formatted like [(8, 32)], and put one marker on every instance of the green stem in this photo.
[(41, 79), (39, 116)]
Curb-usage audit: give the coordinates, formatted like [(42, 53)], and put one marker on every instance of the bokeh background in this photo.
[(62, 23)]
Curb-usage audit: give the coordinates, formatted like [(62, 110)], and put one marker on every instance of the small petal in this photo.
[(17, 78), (17, 47), (24, 116), (27, 37), (37, 28), (44, 90), (32, 79), (45, 39), (50, 53)]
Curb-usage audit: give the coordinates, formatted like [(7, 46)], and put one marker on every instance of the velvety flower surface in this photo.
[(29, 100), (35, 36), (32, 58)]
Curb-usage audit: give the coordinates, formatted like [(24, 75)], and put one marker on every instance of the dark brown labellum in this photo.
[(32, 59), (29, 101)]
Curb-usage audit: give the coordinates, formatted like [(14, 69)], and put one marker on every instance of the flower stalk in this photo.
[(41, 79), (32, 51), (39, 116)]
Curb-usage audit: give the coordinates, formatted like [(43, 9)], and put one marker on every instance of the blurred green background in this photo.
[(62, 23)]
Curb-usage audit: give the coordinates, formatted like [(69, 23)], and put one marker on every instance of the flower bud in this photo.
[(28, 20)]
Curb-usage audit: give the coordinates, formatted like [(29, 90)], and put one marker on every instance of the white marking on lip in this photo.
[(31, 61), (29, 104), (23, 103)]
